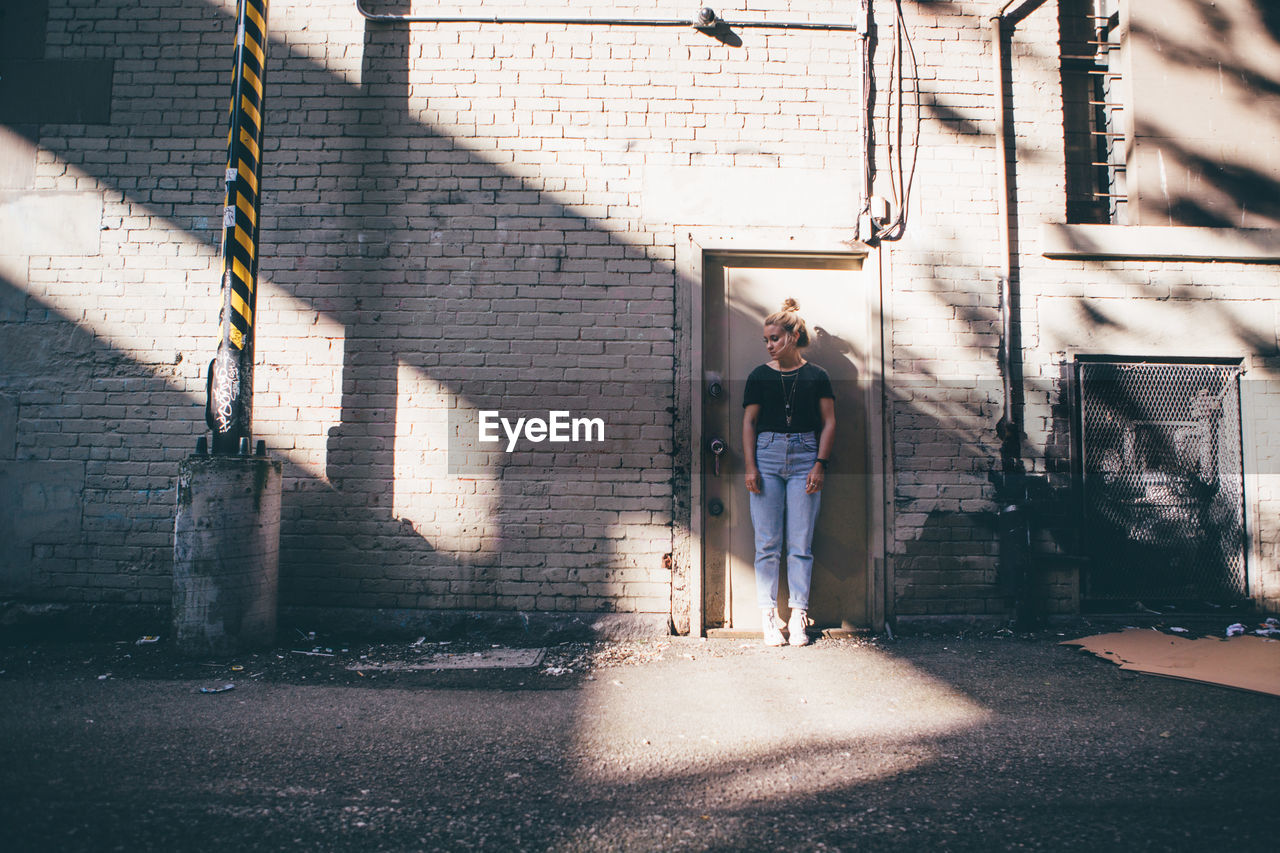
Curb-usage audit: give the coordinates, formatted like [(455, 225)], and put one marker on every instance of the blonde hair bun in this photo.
[(789, 319)]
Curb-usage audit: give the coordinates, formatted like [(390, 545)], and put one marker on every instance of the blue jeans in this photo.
[(784, 460)]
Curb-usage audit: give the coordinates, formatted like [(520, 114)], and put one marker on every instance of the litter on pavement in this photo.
[(493, 658)]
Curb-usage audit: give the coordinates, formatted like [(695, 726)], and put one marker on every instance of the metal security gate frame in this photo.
[(1161, 454)]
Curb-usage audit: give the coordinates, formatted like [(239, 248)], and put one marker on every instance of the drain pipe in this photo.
[(999, 15), (1014, 525)]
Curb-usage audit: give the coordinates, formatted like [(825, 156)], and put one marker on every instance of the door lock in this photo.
[(717, 448), (715, 507), (715, 386)]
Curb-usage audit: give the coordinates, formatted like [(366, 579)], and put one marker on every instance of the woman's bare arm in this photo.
[(752, 473), (826, 440)]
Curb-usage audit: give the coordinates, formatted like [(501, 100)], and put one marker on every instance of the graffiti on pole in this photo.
[(224, 392)]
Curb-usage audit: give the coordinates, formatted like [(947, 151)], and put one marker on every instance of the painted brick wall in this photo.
[(451, 216), (945, 327), (1130, 298), (454, 214), (944, 321)]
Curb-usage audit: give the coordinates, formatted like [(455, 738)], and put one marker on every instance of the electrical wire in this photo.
[(868, 137), (901, 171)]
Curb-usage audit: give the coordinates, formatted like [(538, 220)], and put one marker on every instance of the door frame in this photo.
[(692, 247)]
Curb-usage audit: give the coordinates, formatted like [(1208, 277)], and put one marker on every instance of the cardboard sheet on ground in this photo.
[(1246, 662)]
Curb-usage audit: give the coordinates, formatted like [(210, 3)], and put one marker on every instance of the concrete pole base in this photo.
[(226, 554)]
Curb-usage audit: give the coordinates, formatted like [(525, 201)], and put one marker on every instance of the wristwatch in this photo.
[(823, 463)]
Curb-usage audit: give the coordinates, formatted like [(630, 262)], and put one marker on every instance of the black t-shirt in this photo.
[(803, 387)]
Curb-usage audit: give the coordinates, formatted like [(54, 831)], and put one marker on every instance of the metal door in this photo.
[(740, 291)]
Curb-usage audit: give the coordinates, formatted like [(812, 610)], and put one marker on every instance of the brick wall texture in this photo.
[(453, 214)]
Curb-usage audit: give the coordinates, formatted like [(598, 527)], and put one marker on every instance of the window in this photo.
[(1171, 113), (1094, 112)]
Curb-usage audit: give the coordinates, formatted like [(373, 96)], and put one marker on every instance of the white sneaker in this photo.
[(798, 627), (772, 627)]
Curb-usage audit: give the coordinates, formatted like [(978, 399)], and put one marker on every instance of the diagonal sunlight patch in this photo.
[(454, 513), (149, 312), (781, 722), (297, 385)]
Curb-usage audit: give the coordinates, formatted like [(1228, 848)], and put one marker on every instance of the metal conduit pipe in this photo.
[(997, 17), (1014, 523), (706, 20)]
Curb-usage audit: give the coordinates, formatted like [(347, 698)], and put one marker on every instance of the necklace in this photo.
[(789, 397)]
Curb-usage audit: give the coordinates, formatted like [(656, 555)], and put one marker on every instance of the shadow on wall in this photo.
[(392, 254), (402, 268), (400, 260), (1220, 169), (80, 487), (474, 279), (1217, 193)]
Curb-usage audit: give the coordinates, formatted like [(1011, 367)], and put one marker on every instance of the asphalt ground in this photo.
[(944, 742)]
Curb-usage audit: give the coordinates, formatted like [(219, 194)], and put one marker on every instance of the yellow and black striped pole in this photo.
[(229, 411)]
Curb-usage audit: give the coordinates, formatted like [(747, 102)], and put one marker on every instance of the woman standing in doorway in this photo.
[(788, 428)]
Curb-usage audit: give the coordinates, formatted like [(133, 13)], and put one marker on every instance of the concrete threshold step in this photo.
[(746, 634)]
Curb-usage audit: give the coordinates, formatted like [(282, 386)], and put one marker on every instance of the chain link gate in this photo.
[(1163, 482)]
